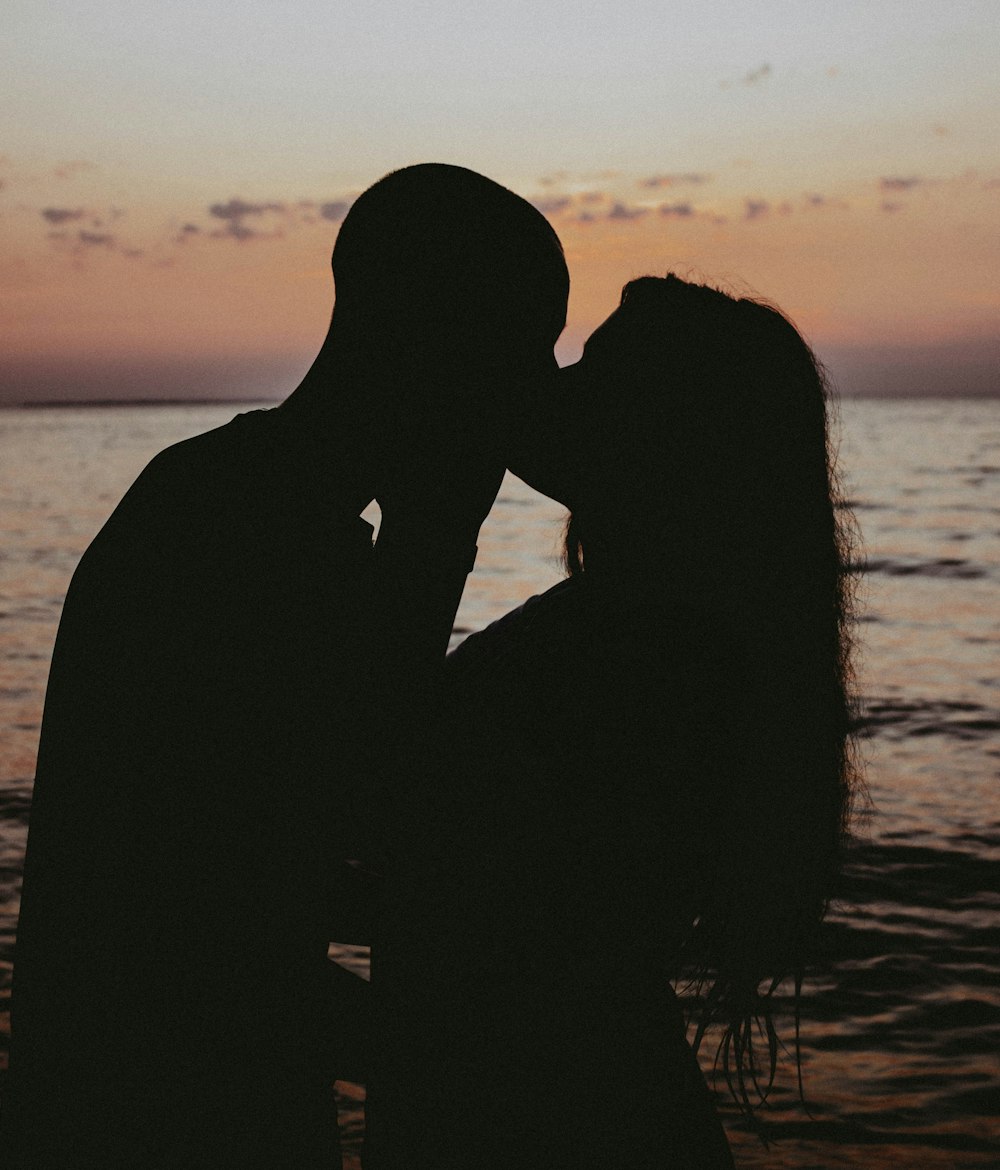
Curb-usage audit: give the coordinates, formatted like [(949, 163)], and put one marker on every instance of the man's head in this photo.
[(451, 292), (436, 264)]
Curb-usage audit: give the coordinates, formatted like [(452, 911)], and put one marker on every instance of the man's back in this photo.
[(204, 706)]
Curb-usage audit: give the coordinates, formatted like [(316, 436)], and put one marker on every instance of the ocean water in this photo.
[(901, 1017)]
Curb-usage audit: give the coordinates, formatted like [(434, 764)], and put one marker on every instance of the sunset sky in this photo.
[(172, 175)]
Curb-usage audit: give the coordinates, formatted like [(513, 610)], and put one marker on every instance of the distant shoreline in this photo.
[(55, 403), (102, 403)]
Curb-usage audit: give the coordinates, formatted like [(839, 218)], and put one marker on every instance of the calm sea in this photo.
[(901, 1025)]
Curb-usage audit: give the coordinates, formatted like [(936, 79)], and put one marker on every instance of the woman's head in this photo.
[(694, 454), (694, 427)]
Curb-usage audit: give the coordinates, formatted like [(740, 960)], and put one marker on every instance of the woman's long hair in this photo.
[(729, 443)]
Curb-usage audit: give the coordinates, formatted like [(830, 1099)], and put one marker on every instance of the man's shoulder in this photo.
[(176, 484), (211, 454), (239, 493), (243, 467)]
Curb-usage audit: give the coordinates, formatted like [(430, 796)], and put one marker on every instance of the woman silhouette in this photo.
[(646, 771)]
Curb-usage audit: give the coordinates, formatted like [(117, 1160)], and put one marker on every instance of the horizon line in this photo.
[(50, 403), (99, 403)]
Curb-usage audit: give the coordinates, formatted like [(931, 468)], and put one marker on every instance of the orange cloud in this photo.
[(335, 210), (62, 214), (681, 210), (622, 211), (687, 179), (96, 239), (551, 205)]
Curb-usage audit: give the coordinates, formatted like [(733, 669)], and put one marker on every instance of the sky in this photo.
[(172, 176)]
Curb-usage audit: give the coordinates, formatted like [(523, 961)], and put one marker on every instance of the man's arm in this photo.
[(432, 510)]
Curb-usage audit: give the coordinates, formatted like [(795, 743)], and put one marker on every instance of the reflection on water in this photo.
[(901, 1021)]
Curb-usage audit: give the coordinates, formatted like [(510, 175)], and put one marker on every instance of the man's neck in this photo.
[(323, 411)]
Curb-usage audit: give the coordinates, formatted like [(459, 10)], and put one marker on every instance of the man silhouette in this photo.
[(232, 656)]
